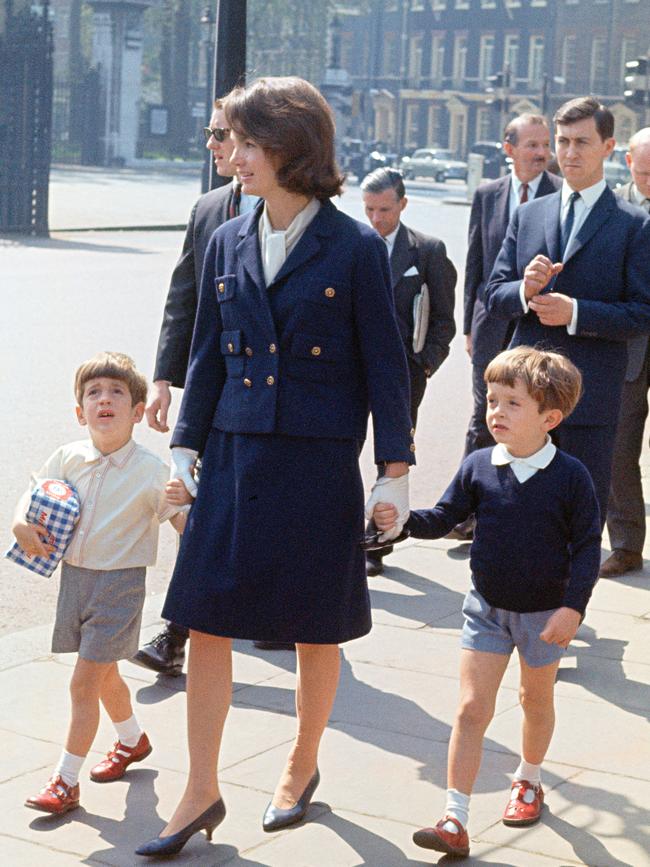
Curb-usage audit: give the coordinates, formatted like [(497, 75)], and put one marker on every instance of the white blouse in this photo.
[(275, 245)]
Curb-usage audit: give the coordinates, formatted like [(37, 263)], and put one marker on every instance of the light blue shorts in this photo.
[(495, 630)]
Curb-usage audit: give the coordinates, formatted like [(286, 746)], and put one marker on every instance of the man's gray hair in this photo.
[(384, 179)]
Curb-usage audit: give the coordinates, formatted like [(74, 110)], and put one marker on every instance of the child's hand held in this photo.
[(385, 516)]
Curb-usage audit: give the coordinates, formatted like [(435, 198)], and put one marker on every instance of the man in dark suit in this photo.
[(165, 653), (527, 141), (626, 509), (574, 271), (415, 259)]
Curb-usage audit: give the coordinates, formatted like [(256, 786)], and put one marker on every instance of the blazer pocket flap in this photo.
[(231, 342), (225, 286), (324, 348)]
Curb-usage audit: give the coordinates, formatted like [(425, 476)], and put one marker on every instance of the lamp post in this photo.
[(208, 22)]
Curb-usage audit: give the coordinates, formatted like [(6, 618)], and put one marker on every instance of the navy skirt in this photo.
[(271, 548)]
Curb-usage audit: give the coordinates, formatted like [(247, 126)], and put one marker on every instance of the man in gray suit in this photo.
[(527, 141), (626, 508)]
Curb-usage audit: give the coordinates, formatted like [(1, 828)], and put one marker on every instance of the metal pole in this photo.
[(229, 58)]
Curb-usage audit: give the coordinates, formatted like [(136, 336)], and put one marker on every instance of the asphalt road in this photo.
[(74, 294)]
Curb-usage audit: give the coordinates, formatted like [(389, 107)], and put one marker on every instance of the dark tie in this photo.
[(235, 201), (567, 225), (523, 194)]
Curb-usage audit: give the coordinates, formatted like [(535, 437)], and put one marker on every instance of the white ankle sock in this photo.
[(527, 771), (69, 767), (128, 731), (458, 807)]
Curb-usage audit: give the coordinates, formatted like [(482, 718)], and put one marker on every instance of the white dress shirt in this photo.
[(390, 240), (639, 199), (515, 191), (524, 468)]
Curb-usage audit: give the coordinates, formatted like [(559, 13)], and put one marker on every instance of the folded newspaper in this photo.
[(53, 504)]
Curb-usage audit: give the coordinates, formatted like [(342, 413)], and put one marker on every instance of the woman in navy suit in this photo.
[(295, 340)]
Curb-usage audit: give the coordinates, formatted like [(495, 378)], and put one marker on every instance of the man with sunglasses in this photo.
[(166, 652)]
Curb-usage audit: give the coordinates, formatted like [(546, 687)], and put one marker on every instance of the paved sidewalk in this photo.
[(383, 755)]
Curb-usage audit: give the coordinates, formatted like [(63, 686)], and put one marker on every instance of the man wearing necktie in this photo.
[(165, 653), (414, 259), (626, 509), (574, 271), (527, 142)]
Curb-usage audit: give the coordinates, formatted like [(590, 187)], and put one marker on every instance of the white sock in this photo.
[(458, 807), (527, 771), (69, 767), (128, 731)]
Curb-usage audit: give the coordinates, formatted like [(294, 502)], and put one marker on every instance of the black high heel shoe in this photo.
[(275, 818), (173, 844)]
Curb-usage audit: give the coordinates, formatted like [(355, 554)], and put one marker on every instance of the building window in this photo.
[(437, 58), (461, 4), (389, 58), (569, 67), (511, 55), (483, 124), (535, 61), (486, 57), (628, 52), (434, 127), (415, 59), (460, 59), (411, 126), (598, 68)]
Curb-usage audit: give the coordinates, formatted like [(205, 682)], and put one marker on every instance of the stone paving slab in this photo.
[(383, 759)]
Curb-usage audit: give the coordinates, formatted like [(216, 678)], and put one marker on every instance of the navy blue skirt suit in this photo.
[(279, 385)]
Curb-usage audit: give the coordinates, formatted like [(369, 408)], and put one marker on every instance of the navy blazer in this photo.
[(607, 268), (309, 354), (488, 223), (210, 211)]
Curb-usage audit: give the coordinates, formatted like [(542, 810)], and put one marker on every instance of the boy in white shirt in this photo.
[(124, 495)]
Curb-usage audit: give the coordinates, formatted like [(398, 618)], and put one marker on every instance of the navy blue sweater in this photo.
[(536, 544)]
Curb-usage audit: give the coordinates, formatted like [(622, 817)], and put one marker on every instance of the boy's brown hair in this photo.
[(113, 365), (548, 377)]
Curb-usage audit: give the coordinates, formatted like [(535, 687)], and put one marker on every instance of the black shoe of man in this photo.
[(374, 564), (165, 653)]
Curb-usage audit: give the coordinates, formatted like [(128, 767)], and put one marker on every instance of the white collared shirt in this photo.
[(639, 199), (276, 244), (122, 498), (524, 468), (515, 190), (390, 240)]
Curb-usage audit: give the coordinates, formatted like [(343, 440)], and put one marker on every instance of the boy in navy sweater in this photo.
[(534, 561)]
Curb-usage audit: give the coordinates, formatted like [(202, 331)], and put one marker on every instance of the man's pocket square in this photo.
[(412, 272)]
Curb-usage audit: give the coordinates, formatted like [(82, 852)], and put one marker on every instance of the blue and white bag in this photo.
[(53, 504)]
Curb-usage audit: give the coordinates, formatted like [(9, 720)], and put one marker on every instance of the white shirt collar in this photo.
[(390, 240), (532, 185), (91, 453), (638, 196), (539, 460), (589, 195)]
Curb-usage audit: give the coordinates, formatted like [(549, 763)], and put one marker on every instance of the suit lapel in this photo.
[(310, 244), (248, 252), (400, 259), (501, 206), (595, 219), (545, 187), (552, 225)]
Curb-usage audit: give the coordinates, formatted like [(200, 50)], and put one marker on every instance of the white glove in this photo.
[(396, 492), (181, 466)]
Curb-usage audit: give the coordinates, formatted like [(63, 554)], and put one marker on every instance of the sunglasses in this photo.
[(219, 133)]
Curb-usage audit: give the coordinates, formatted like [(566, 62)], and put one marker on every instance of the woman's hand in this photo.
[(384, 515), (181, 467), (392, 489)]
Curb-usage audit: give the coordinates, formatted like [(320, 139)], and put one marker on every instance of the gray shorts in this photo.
[(495, 630), (98, 612)]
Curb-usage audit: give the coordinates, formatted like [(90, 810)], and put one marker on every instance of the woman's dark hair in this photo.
[(291, 121)]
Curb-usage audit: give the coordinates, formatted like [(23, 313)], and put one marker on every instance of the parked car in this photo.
[(435, 163), (615, 168), (495, 161), (359, 157)]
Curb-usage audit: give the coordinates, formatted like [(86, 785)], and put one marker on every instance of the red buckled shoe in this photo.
[(57, 797), (456, 845), (118, 759), (525, 804)]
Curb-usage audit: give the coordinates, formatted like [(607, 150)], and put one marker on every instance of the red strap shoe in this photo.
[(57, 797), (118, 759), (525, 804), (444, 841)]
